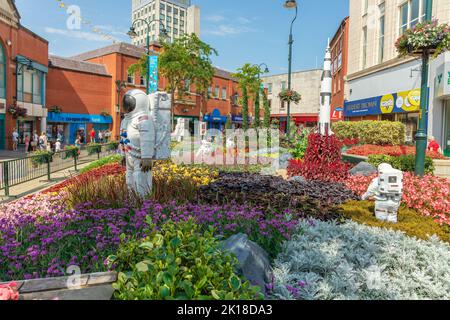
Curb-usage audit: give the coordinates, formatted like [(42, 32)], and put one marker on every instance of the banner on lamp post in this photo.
[(153, 74)]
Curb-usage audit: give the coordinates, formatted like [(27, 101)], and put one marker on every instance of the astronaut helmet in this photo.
[(384, 168), (135, 100)]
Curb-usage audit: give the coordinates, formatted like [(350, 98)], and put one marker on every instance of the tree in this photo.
[(257, 122), (185, 61), (249, 80), (266, 106)]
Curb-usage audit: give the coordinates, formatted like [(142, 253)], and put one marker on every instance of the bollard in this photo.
[(49, 156), (6, 177)]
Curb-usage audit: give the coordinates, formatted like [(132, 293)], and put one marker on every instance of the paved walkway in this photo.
[(37, 185)]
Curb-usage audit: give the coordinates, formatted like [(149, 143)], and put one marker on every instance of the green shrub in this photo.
[(116, 158), (41, 157), (409, 221), (406, 163), (300, 147), (94, 148), (178, 262), (371, 132), (71, 152), (111, 146)]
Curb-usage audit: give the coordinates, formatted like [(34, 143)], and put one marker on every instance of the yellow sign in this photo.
[(409, 101), (387, 103)]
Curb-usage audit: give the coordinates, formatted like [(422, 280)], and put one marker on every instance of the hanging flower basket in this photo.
[(17, 111), (428, 37), (290, 96)]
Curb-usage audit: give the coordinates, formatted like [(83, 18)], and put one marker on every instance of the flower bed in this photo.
[(327, 261), (395, 151), (430, 196), (312, 198), (40, 237)]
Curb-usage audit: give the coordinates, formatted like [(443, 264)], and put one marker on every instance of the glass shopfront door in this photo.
[(2, 131), (446, 142), (25, 128)]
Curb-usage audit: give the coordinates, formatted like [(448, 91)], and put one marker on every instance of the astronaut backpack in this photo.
[(160, 110)]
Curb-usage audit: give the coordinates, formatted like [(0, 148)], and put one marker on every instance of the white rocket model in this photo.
[(325, 96)]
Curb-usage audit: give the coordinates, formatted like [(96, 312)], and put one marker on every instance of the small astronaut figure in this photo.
[(206, 148), (138, 141), (387, 190)]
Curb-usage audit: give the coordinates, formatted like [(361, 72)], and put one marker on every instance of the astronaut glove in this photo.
[(146, 165)]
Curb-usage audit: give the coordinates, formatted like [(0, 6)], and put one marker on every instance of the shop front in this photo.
[(215, 120), (402, 106), (2, 131), (68, 126), (238, 121)]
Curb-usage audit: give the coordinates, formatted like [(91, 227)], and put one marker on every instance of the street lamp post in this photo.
[(290, 4), (421, 136), (132, 33)]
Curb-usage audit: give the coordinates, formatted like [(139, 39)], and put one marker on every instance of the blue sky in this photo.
[(242, 31)]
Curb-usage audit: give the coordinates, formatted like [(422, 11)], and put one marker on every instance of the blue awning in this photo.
[(78, 118)]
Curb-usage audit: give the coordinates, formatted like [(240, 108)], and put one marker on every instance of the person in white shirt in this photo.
[(15, 139), (58, 147), (100, 136)]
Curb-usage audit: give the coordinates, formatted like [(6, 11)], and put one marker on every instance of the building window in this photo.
[(283, 105), (2, 73), (224, 93), (216, 92), (382, 33), (162, 6), (175, 11), (269, 88), (169, 19), (37, 87), (411, 13), (142, 80), (175, 21), (365, 7), (364, 57), (283, 85), (187, 85), (209, 92), (181, 13), (130, 78)]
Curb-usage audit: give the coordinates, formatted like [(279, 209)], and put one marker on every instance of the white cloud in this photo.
[(215, 18), (227, 30), (88, 36)]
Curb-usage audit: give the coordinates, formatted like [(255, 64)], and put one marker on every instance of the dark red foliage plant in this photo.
[(322, 161)]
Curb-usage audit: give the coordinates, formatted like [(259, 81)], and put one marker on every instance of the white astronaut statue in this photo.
[(387, 190), (145, 133), (180, 128), (206, 149)]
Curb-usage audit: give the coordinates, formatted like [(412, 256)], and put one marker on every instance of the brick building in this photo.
[(79, 98), (339, 65), (23, 72)]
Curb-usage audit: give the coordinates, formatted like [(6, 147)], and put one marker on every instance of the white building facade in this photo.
[(178, 17), (381, 86), (307, 84)]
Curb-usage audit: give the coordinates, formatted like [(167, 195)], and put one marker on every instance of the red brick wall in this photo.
[(338, 96), (78, 92), (23, 43)]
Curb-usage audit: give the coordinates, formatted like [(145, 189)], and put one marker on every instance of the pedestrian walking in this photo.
[(100, 136), (35, 141), (15, 139), (27, 143), (78, 142), (58, 146), (43, 142), (92, 135)]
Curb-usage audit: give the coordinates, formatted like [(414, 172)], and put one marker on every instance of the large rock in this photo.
[(297, 179), (284, 160), (363, 169), (254, 262)]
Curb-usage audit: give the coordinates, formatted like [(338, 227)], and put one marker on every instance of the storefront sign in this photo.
[(78, 118), (401, 102), (153, 74)]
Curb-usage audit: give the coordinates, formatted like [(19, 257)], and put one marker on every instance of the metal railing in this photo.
[(18, 171)]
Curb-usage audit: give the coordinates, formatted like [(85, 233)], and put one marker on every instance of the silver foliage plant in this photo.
[(328, 261)]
